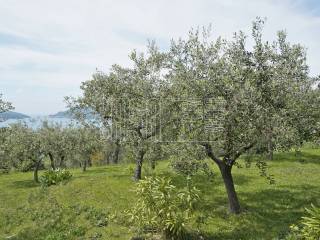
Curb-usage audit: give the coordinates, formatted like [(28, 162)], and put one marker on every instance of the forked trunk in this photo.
[(137, 173), (225, 170)]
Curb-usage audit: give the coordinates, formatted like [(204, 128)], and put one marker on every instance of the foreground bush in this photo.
[(309, 226), (162, 208), (53, 177)]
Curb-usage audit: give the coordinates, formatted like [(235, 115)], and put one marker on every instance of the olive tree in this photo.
[(4, 106), (86, 142), (25, 149), (56, 143), (232, 96), (4, 159), (127, 100)]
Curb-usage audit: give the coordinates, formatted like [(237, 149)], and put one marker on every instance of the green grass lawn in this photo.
[(268, 210)]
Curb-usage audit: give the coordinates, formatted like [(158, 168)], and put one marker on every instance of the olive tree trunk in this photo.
[(270, 150), (115, 157), (36, 170), (61, 164), (52, 161), (153, 164), (226, 174), (84, 166), (139, 161)]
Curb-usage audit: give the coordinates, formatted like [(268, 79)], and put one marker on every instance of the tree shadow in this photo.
[(24, 184), (302, 157), (94, 171), (270, 211)]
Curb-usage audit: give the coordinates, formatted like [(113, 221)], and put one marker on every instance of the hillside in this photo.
[(61, 114), (12, 115), (67, 114), (268, 210)]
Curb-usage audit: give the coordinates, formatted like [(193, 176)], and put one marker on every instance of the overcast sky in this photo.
[(47, 48)]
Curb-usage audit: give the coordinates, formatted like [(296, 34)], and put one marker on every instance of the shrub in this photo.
[(162, 208), (308, 227), (53, 177)]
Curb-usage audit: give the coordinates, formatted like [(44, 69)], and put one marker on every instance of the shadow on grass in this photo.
[(114, 169), (303, 157), (24, 184), (268, 212)]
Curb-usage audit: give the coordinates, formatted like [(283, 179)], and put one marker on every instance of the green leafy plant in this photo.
[(53, 177), (308, 227), (162, 208)]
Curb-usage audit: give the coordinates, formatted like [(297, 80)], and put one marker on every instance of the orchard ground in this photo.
[(267, 210)]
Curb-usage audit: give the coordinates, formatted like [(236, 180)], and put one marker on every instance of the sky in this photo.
[(47, 48)]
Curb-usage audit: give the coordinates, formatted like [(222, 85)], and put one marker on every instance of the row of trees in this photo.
[(25, 149), (203, 97), (223, 96)]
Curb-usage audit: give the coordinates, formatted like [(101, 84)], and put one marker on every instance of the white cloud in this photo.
[(60, 43)]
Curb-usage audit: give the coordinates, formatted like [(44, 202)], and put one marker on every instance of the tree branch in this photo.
[(242, 150), (210, 153)]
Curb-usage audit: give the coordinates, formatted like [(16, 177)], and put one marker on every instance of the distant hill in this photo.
[(12, 115), (68, 114), (61, 114)]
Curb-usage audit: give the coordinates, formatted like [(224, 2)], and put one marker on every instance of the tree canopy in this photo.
[(222, 95)]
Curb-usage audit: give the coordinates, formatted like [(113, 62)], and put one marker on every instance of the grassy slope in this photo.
[(268, 209)]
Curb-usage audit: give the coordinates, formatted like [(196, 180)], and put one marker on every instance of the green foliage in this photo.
[(24, 148), (189, 159), (5, 163), (219, 94), (54, 177), (4, 106), (87, 141), (308, 227), (191, 167), (162, 208), (57, 143)]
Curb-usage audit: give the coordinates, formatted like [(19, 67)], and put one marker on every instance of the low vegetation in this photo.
[(162, 208), (53, 177), (269, 210)]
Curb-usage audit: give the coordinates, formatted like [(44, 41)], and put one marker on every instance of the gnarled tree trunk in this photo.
[(225, 170)]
